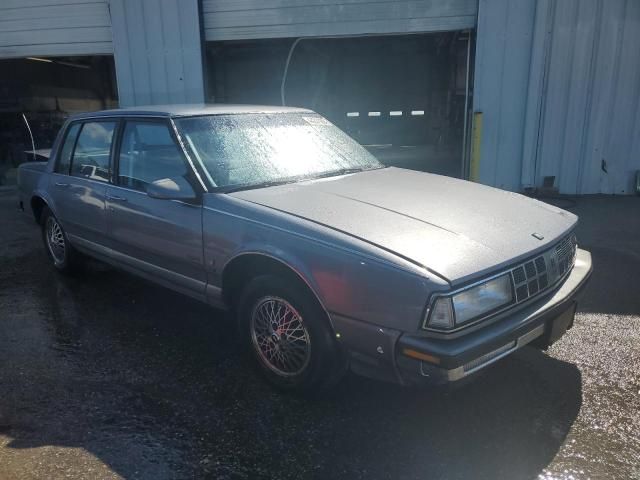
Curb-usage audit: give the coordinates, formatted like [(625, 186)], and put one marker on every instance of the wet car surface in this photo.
[(104, 376)]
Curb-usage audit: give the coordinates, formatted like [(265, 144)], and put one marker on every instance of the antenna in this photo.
[(33, 143)]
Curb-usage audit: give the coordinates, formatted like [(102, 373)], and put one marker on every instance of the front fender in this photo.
[(350, 282)]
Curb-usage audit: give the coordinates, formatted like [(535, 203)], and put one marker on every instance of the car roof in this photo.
[(188, 110)]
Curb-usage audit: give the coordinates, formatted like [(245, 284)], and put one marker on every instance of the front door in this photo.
[(159, 238), (79, 182)]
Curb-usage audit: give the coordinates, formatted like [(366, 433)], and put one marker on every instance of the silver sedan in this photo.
[(328, 259)]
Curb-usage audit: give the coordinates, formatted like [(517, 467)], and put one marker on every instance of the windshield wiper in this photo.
[(253, 186), (273, 183), (345, 171)]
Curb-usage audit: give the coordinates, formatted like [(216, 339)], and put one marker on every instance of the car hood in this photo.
[(455, 228)]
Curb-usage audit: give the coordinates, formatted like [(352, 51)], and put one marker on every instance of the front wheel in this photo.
[(60, 252), (288, 335)]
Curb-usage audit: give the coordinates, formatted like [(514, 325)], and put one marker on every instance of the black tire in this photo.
[(325, 362), (66, 261)]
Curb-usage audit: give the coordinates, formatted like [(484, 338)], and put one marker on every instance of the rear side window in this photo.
[(148, 153), (64, 159), (93, 150)]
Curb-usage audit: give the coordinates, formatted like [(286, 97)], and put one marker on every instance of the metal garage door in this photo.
[(252, 19), (41, 28)]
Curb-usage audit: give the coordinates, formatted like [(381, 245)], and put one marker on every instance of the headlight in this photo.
[(452, 311), (484, 298)]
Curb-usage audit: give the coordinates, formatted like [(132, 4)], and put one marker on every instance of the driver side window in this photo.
[(148, 153)]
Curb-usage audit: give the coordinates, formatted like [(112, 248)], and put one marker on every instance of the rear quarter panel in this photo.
[(32, 180), (33, 177)]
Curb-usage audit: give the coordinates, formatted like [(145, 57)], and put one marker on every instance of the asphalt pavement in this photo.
[(106, 376)]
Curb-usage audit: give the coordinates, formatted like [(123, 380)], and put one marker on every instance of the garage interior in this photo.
[(402, 96), (46, 90)]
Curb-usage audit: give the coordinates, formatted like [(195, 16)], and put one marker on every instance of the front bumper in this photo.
[(457, 358), (447, 359)]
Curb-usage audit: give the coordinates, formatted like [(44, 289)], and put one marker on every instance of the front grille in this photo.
[(534, 276), (565, 247), (529, 278), (566, 254)]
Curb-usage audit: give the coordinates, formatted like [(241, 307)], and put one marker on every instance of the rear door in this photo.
[(78, 184), (162, 238)]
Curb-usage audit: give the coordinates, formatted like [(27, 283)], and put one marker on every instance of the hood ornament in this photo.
[(538, 236)]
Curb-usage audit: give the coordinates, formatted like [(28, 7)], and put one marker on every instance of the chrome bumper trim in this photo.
[(495, 355)]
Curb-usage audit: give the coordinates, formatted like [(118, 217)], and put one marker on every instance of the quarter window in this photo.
[(64, 160), (148, 153), (92, 152)]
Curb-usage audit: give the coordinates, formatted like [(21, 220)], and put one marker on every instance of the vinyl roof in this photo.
[(188, 110)]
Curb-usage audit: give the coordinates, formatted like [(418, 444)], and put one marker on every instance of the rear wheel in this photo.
[(63, 257), (288, 336)]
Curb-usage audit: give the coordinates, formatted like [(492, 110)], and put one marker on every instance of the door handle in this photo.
[(116, 198), (60, 184)]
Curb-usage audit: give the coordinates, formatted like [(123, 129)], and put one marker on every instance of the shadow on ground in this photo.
[(151, 384)]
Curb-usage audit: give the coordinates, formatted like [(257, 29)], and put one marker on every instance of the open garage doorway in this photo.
[(404, 97), (38, 94)]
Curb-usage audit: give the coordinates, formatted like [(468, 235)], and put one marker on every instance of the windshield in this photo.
[(249, 150)]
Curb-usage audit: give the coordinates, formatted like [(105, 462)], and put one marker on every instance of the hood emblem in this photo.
[(538, 236)]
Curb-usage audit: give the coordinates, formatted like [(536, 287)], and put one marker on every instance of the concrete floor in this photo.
[(105, 376)]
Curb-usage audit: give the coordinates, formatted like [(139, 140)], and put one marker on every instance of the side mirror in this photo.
[(176, 188)]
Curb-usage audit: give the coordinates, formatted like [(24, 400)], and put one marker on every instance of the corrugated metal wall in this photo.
[(158, 51), (569, 105), (33, 28), (252, 19), (503, 55), (589, 134)]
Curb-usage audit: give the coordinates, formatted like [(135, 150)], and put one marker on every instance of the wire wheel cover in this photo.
[(280, 336), (55, 240)]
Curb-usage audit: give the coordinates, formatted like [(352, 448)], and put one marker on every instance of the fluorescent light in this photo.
[(417, 112), (395, 113), (353, 114), (74, 65), (60, 62), (374, 114)]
